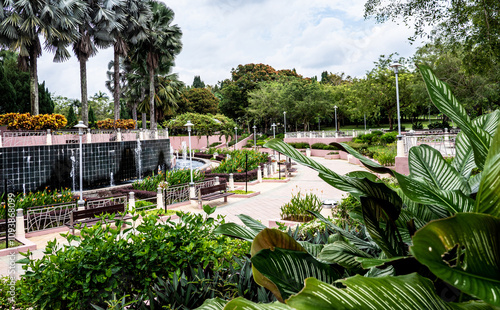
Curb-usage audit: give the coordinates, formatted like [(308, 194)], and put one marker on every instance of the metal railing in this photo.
[(445, 144), (45, 217), (175, 194), (107, 201), (151, 205)]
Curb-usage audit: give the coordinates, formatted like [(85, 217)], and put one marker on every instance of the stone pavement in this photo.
[(263, 207)]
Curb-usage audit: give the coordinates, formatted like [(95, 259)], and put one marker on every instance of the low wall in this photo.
[(325, 140)]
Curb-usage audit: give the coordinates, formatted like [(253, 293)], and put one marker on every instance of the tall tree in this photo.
[(162, 44), (197, 82), (22, 23)]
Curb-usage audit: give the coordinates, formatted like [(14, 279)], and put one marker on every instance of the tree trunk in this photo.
[(83, 89), (152, 124), (33, 83), (390, 123), (144, 121), (134, 113), (116, 91), (141, 99)]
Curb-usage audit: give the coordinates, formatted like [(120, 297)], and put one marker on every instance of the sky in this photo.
[(310, 36)]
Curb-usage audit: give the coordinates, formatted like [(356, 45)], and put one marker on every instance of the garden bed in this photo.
[(24, 247)]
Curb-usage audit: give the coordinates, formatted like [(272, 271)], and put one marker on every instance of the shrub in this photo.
[(417, 125), (172, 177), (296, 209), (341, 212), (237, 161), (262, 137), (299, 145), (105, 263), (7, 301), (120, 123), (38, 122), (369, 138), (389, 137), (439, 125), (377, 132), (214, 144), (385, 155), (260, 143), (280, 136)]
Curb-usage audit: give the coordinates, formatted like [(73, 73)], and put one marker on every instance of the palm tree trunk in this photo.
[(116, 92), (141, 99), (151, 99), (134, 113), (144, 121), (33, 82), (83, 89)]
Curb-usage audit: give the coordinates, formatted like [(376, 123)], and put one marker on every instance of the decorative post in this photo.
[(118, 135), (284, 117), (235, 136), (217, 181), (131, 202), (299, 135), (89, 136), (49, 137), (20, 233), (265, 171), (231, 182), (259, 174), (254, 136), (159, 198), (81, 126), (189, 125), (323, 135)]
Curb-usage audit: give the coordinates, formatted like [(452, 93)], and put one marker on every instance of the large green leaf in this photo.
[(419, 191), (442, 97), (288, 269), (488, 196), (464, 251), (428, 164), (342, 253), (252, 223), (243, 304), (379, 218), (368, 163), (212, 304), (235, 230), (409, 292), (269, 239)]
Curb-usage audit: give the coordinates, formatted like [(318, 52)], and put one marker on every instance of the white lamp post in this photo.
[(236, 136), (274, 130), (395, 66), (81, 126), (254, 136), (336, 129), (189, 125), (284, 116)]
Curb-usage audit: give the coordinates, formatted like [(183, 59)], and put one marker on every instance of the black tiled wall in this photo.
[(36, 167)]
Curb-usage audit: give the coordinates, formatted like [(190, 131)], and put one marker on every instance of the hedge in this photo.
[(38, 122)]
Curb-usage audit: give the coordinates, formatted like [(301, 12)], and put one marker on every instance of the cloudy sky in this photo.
[(311, 36)]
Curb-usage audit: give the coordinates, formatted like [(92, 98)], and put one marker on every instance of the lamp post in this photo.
[(254, 136), (189, 125), (284, 117), (236, 136), (81, 126), (274, 131), (336, 129), (365, 121), (396, 66)]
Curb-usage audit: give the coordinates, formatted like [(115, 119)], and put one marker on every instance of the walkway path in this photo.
[(264, 207)]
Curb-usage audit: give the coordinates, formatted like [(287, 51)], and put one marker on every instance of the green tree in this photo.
[(7, 94), (201, 100), (71, 117), (198, 83), (92, 118), (22, 23)]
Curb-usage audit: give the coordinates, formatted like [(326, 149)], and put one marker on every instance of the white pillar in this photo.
[(192, 192), (49, 137), (131, 202), (156, 134), (299, 135), (159, 198), (336, 134), (259, 175), (400, 147), (89, 136), (20, 233), (265, 171), (118, 135), (311, 135), (217, 181), (308, 152), (231, 182), (286, 135), (323, 135), (353, 133), (141, 134), (167, 133), (275, 167)]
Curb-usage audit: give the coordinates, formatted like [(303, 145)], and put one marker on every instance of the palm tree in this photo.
[(23, 22), (97, 22), (161, 45)]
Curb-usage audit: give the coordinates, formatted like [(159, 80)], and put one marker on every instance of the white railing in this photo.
[(45, 217), (445, 144)]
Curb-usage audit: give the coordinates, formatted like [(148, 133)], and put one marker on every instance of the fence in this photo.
[(445, 144), (325, 134), (106, 201), (45, 217)]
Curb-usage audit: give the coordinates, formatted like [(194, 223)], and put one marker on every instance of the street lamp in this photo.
[(81, 126), (189, 125), (284, 116), (254, 136), (236, 136), (336, 129), (274, 132), (365, 122), (395, 66)]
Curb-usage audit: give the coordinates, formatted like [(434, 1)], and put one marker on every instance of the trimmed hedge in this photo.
[(120, 123), (299, 145), (322, 146), (238, 177), (38, 122)]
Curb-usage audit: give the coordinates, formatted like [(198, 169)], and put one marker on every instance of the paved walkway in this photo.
[(263, 207)]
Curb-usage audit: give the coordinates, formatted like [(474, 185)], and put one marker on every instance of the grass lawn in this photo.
[(241, 192), (2, 244)]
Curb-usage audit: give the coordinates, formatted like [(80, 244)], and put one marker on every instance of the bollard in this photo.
[(323, 135), (217, 181), (400, 147), (259, 174), (131, 202), (265, 171), (231, 182), (89, 136), (20, 233), (118, 135), (141, 134), (308, 152), (159, 198), (49, 137)]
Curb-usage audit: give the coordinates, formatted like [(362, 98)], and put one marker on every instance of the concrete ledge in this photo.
[(253, 182), (27, 245), (47, 231), (334, 156), (244, 195), (276, 181)]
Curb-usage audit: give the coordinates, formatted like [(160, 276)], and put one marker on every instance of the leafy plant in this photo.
[(238, 161), (296, 209), (171, 177), (341, 212)]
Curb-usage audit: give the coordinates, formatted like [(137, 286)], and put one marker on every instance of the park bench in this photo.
[(89, 216), (213, 192)]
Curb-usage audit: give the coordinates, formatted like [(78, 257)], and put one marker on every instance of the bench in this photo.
[(89, 216), (212, 193)]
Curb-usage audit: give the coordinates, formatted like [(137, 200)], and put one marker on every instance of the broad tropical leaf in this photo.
[(471, 242), (271, 239), (378, 213), (474, 182), (446, 102), (428, 164), (409, 292), (342, 253), (368, 163), (368, 263), (243, 304), (312, 248), (288, 269), (362, 175), (213, 304), (488, 196), (251, 223), (235, 230)]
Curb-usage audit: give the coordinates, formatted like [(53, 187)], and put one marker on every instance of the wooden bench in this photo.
[(89, 216), (212, 193)]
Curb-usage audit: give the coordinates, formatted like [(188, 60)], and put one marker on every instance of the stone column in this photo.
[(49, 137), (308, 152), (217, 181), (231, 182), (311, 135), (259, 174), (400, 147), (159, 198), (323, 135), (118, 135), (265, 171), (299, 135), (192, 192), (156, 134), (89, 136), (141, 134), (131, 202), (20, 233)]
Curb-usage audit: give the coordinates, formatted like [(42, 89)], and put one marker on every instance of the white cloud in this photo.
[(218, 35)]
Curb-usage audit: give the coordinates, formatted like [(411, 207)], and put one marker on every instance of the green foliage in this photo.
[(41, 198), (439, 125), (92, 118), (105, 261), (298, 207), (201, 100), (8, 300), (341, 213), (72, 119), (385, 155), (300, 145), (388, 138), (238, 161), (172, 177), (417, 125), (323, 146)]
